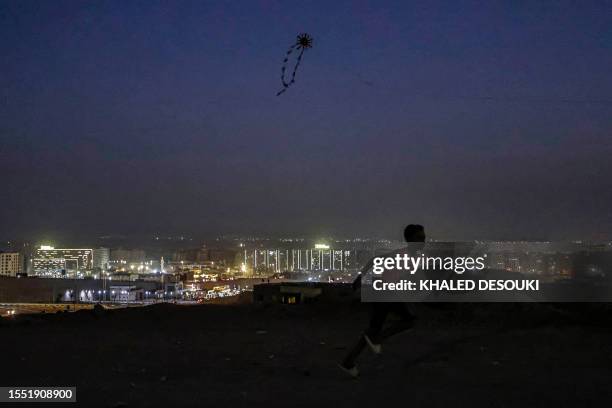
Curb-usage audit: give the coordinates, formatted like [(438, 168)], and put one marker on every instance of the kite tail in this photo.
[(295, 68), (284, 67), (297, 64)]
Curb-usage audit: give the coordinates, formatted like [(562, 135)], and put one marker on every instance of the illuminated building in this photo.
[(320, 258), (101, 258), (11, 264), (126, 293), (62, 262)]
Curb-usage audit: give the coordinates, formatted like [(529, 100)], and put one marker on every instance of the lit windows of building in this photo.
[(11, 264), (62, 262)]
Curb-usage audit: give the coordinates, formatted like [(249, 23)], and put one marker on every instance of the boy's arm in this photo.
[(357, 281)]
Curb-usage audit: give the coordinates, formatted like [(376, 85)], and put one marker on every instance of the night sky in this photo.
[(477, 120)]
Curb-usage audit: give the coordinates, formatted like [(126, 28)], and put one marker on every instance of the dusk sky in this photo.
[(477, 120)]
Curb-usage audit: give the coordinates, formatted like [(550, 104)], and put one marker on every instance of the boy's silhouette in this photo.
[(375, 334)]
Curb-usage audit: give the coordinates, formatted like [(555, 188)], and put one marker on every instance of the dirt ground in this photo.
[(253, 355)]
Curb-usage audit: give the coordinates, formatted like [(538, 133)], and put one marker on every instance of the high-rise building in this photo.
[(11, 264), (62, 262), (101, 258), (319, 258)]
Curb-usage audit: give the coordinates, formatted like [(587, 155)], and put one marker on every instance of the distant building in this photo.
[(204, 254), (11, 264), (173, 289), (127, 255), (192, 255), (101, 258), (62, 262), (319, 258), (126, 293)]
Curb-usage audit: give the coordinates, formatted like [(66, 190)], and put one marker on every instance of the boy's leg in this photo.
[(351, 357), (377, 320), (406, 321)]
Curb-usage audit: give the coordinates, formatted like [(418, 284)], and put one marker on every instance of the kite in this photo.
[(303, 42)]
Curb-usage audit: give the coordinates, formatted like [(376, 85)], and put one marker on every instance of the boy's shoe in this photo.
[(376, 348), (352, 371)]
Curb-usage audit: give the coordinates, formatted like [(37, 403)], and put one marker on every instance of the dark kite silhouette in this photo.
[(303, 42)]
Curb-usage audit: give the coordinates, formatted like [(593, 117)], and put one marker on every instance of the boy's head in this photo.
[(414, 233)]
